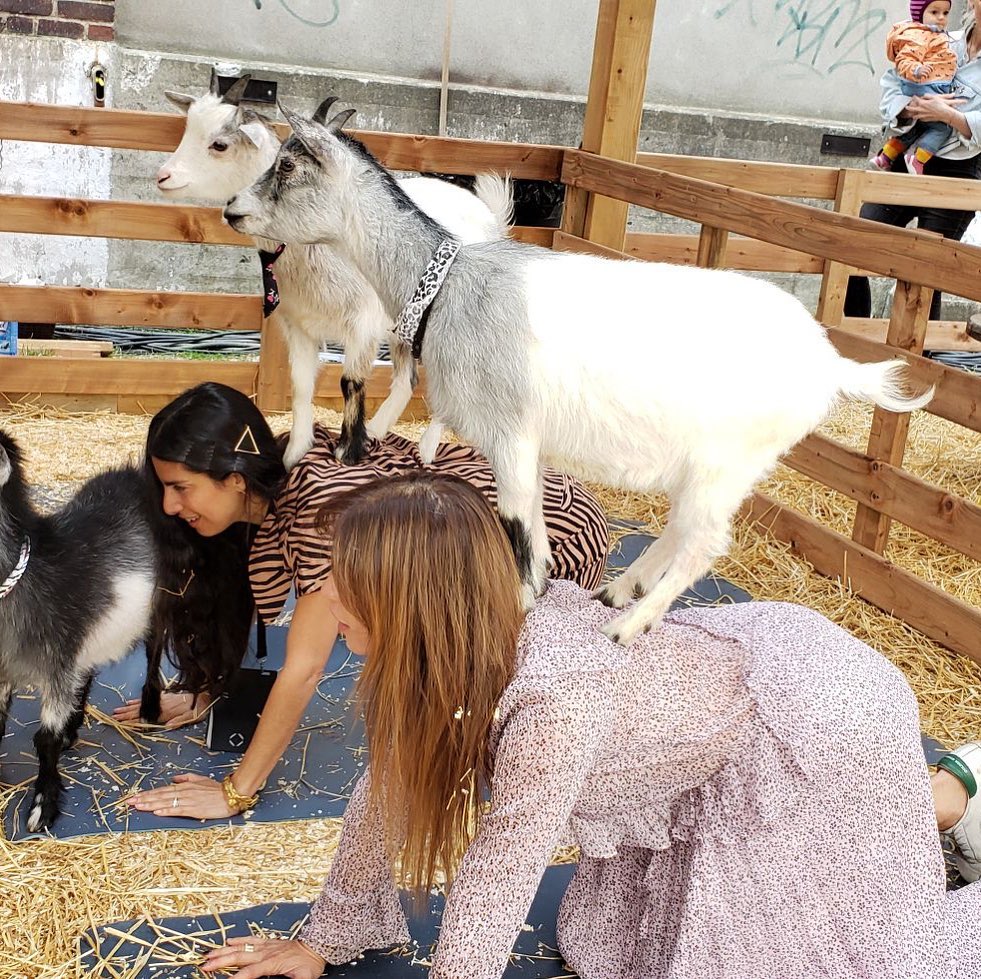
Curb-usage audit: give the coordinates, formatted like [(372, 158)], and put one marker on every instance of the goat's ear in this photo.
[(183, 102), (339, 121), (253, 131), (310, 134), (321, 114), (236, 93), (5, 466)]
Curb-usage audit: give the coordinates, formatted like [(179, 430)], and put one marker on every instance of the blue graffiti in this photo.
[(824, 35), (335, 12)]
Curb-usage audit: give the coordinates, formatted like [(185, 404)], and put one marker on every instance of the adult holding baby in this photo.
[(959, 155)]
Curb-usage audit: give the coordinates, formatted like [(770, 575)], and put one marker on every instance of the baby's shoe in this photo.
[(913, 164), (881, 162), (965, 764)]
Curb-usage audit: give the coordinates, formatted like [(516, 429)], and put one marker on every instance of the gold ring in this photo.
[(249, 947), (176, 802)]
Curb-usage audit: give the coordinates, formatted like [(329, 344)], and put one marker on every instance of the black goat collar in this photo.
[(410, 326), (270, 287), (19, 568)]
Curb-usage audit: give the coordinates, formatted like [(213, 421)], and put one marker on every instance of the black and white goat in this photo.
[(225, 147), (640, 375), (76, 591)]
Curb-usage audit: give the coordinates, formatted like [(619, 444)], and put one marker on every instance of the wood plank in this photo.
[(940, 334), (834, 283), (121, 375), (712, 245), (152, 378), (887, 438), (772, 179), (620, 89), (897, 188), (744, 254), (533, 236), (925, 607), (913, 256), (928, 509), (70, 349), (274, 385), (958, 392), (570, 243), (445, 154), (162, 131), (576, 203), (133, 220), (131, 307)]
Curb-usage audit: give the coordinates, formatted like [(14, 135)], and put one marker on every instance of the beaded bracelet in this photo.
[(235, 799)]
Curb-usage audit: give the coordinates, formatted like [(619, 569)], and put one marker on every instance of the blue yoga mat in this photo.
[(166, 950), (314, 778)]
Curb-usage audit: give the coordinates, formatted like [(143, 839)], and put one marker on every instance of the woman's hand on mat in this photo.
[(190, 796), (255, 957), (939, 107), (176, 709)]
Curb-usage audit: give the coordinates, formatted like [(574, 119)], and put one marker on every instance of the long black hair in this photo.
[(204, 606)]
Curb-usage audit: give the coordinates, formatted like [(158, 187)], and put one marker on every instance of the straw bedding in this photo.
[(51, 891)]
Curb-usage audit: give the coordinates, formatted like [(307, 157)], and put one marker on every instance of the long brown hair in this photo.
[(424, 564)]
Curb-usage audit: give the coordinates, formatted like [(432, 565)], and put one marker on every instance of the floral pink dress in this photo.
[(748, 790)]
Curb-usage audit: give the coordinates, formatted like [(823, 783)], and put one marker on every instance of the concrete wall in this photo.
[(816, 59), (51, 70)]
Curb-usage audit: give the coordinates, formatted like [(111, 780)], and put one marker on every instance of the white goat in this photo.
[(646, 376), (225, 147)]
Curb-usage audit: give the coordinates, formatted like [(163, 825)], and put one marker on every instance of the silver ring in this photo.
[(249, 947), (176, 802)]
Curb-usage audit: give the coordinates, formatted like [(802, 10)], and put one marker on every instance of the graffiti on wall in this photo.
[(332, 12), (821, 35)]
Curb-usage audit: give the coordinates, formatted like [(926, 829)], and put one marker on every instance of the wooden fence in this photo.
[(744, 223)]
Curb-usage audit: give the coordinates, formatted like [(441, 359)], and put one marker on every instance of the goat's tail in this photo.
[(497, 193), (882, 383)]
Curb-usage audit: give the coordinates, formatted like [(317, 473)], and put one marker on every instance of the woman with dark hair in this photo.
[(746, 783), (219, 476), (959, 156)]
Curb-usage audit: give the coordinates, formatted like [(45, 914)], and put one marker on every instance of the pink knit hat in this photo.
[(916, 8)]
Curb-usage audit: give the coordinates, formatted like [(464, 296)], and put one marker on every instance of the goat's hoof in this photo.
[(350, 453), (43, 814), (610, 595), (294, 453)]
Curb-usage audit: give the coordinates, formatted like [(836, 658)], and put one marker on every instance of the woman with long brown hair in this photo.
[(746, 784)]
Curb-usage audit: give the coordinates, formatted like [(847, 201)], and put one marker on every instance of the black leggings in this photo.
[(944, 221)]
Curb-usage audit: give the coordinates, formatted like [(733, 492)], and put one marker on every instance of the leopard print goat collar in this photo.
[(410, 326)]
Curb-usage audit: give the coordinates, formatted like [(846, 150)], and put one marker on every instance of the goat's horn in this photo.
[(236, 92), (214, 87), (321, 114), (338, 122)]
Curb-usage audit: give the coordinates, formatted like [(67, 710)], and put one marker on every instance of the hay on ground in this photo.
[(52, 891)]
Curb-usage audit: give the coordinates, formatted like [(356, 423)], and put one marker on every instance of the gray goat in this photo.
[(640, 375)]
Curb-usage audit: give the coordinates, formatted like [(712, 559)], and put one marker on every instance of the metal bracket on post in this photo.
[(97, 73)]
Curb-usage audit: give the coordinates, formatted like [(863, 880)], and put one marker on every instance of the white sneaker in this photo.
[(965, 764)]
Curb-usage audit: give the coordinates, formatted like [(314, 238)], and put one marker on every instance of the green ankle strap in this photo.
[(961, 771)]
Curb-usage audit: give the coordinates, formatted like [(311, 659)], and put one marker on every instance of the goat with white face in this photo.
[(622, 372), (225, 147)]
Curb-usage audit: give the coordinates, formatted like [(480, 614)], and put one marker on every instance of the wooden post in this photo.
[(887, 439), (613, 113), (712, 244), (834, 282), (273, 384)]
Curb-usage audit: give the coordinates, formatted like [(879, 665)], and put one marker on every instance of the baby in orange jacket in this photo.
[(925, 64)]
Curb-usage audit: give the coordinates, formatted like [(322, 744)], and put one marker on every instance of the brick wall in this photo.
[(75, 19)]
